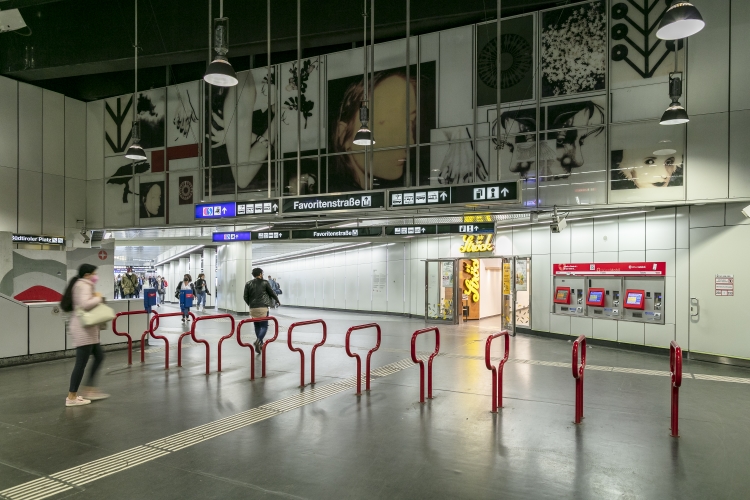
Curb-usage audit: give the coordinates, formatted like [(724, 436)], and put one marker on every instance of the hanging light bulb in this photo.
[(220, 72), (680, 20), (675, 113), (364, 136), (135, 151)]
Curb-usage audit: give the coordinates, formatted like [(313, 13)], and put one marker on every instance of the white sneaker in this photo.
[(79, 401)]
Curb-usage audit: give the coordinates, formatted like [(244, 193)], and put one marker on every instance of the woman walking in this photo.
[(185, 284), (80, 295), (201, 289)]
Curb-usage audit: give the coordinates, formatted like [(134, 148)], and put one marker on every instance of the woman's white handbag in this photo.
[(96, 316)]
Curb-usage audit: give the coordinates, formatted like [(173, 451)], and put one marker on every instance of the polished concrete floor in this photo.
[(330, 443)]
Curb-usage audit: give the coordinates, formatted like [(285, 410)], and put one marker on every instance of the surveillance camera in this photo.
[(558, 225), (85, 235), (746, 211)]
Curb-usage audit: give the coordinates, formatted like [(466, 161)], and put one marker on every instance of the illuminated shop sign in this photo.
[(215, 210), (38, 240), (356, 232), (477, 243), (365, 200), (471, 284), (230, 237)]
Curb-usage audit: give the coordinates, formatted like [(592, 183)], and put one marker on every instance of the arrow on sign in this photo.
[(443, 196), (505, 192), (423, 230), (275, 207), (476, 228), (224, 210)]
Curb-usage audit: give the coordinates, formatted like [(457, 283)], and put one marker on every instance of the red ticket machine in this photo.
[(635, 299), (595, 297), (562, 295)]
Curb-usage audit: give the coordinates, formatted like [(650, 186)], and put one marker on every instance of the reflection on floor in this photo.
[(182, 434)]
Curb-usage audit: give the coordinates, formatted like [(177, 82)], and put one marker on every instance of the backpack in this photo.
[(199, 285)]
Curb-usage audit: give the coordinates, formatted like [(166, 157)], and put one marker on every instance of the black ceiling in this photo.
[(84, 48)]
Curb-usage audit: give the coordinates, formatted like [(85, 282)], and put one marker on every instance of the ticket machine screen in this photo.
[(596, 297), (634, 299), (562, 295)]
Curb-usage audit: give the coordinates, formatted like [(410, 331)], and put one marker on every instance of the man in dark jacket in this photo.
[(259, 296)]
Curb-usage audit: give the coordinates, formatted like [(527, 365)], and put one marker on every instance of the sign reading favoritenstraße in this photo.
[(365, 200)]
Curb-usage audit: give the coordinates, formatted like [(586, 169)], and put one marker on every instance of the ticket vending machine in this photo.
[(604, 297), (569, 295), (643, 300)]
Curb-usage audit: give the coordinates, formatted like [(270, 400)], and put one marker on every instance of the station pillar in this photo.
[(209, 269), (235, 265)]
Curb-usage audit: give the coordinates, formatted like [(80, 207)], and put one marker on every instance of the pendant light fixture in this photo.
[(675, 113), (680, 20), (135, 151), (220, 71), (364, 136)]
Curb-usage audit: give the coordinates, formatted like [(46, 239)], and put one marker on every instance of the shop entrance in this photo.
[(458, 290)]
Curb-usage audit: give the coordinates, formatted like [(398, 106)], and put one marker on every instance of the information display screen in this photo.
[(562, 295), (596, 298), (634, 299)]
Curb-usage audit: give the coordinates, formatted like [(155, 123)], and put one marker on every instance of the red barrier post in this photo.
[(369, 354), (201, 341), (225, 337), (263, 349), (675, 371), (153, 325), (579, 345), (302, 354), (497, 372), (125, 334), (421, 363)]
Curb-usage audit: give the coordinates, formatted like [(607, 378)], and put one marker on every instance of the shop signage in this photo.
[(270, 235), (506, 278), (477, 243), (257, 207), (215, 210), (471, 284), (724, 285), (230, 237), (38, 240), (364, 200), (496, 192), (611, 269), (522, 279), (409, 230), (356, 232)]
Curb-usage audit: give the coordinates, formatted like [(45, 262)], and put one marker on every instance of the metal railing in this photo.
[(579, 346), (421, 363), (153, 325), (127, 334), (675, 372), (369, 354), (302, 354), (202, 341), (263, 348), (497, 371)]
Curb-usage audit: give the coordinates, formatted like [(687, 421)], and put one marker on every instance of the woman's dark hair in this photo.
[(66, 304)]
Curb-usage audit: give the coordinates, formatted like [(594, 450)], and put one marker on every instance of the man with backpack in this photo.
[(129, 284), (259, 296)]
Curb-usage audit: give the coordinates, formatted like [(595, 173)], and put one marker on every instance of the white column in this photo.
[(172, 273), (235, 268), (209, 269), (182, 268), (195, 265)]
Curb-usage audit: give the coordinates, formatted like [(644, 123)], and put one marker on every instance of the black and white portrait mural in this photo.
[(460, 162), (151, 199), (346, 172), (647, 162), (118, 124), (240, 136), (151, 108), (184, 105), (121, 190), (637, 54), (516, 61), (574, 49)]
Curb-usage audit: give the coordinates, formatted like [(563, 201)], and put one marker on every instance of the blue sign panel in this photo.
[(215, 210), (229, 237)]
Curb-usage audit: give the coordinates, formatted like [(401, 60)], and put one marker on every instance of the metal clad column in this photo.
[(209, 269), (235, 269)]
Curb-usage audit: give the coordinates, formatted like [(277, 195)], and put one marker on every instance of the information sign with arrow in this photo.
[(410, 230)]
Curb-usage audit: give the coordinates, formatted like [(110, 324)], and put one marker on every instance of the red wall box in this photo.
[(611, 269), (596, 292), (639, 299), (562, 295)]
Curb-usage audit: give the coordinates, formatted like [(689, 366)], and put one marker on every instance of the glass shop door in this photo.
[(441, 291)]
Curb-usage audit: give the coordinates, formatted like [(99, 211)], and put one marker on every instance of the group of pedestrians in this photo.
[(128, 285), (81, 298)]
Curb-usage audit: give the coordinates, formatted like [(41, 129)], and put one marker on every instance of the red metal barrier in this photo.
[(578, 374), (421, 363), (497, 372), (201, 341), (675, 370), (225, 337), (125, 334), (302, 354), (152, 328), (263, 349), (359, 361)]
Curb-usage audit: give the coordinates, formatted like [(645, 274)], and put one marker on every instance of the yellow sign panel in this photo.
[(471, 285), (477, 243), (475, 217), (506, 278)]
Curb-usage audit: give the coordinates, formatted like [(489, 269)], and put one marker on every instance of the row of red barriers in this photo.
[(578, 363)]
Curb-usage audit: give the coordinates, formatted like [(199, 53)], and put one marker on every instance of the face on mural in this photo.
[(152, 201)]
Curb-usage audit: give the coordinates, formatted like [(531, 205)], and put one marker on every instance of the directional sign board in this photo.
[(258, 207), (476, 228), (354, 232), (215, 210), (38, 240), (496, 192), (365, 200), (271, 235), (410, 230), (231, 237)]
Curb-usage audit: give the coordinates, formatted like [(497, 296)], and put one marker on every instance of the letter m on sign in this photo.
[(119, 144)]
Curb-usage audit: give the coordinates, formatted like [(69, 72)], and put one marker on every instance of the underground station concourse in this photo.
[(381, 249)]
